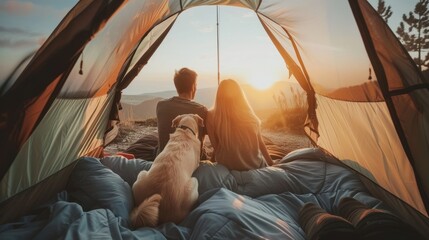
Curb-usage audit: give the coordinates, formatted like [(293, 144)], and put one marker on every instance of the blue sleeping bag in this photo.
[(255, 204)]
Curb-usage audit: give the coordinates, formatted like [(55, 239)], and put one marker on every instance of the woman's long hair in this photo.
[(232, 114)]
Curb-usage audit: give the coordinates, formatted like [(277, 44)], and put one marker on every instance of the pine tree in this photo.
[(384, 11), (415, 36)]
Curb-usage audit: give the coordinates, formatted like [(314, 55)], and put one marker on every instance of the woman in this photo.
[(234, 130)]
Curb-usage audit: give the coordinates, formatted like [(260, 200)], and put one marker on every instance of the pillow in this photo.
[(127, 169), (93, 186), (212, 176)]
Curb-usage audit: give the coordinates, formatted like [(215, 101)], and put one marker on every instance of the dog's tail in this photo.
[(147, 213)]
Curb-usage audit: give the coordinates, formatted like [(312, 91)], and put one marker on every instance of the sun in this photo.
[(261, 80)]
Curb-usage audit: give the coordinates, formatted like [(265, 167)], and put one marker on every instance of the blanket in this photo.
[(255, 204)]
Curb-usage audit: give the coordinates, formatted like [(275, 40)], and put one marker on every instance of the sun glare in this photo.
[(261, 80)]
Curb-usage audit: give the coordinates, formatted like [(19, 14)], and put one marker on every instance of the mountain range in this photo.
[(143, 106)]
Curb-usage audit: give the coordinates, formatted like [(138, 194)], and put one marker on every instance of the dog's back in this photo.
[(166, 186), (174, 175), (167, 192), (167, 198)]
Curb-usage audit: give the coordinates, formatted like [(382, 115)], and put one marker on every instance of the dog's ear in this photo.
[(176, 121), (199, 120)]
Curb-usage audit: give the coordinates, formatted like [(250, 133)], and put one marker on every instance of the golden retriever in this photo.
[(167, 192)]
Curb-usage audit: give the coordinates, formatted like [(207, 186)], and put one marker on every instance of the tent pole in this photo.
[(217, 44)]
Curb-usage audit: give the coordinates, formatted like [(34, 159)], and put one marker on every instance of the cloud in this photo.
[(19, 43), (23, 8), (17, 7), (17, 31)]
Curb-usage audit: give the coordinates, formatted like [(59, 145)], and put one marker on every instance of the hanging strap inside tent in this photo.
[(217, 44), (81, 64)]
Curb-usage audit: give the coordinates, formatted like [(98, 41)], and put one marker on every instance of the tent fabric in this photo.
[(45, 74), (360, 120), (71, 135), (406, 92), (327, 62), (38, 194), (325, 46)]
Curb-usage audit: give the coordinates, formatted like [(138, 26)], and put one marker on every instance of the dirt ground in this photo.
[(129, 133), (286, 140)]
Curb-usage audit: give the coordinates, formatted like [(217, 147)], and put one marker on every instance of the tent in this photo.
[(61, 106)]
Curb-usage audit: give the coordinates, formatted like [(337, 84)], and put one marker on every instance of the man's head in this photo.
[(185, 81)]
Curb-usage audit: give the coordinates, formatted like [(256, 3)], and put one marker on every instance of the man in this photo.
[(185, 81)]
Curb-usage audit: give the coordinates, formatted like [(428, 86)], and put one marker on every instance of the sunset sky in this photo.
[(246, 52)]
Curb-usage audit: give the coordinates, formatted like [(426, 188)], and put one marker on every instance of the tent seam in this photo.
[(409, 89), (257, 8)]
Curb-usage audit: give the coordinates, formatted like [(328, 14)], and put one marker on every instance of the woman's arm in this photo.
[(264, 150)]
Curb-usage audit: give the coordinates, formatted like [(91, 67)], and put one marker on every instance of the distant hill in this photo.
[(139, 112), (141, 107), (136, 99), (368, 90), (362, 92)]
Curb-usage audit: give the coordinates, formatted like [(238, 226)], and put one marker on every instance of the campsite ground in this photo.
[(287, 140)]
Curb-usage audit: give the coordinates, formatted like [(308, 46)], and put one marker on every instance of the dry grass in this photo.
[(291, 112), (292, 120)]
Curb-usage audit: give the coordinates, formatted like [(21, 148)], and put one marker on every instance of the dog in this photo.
[(167, 192)]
